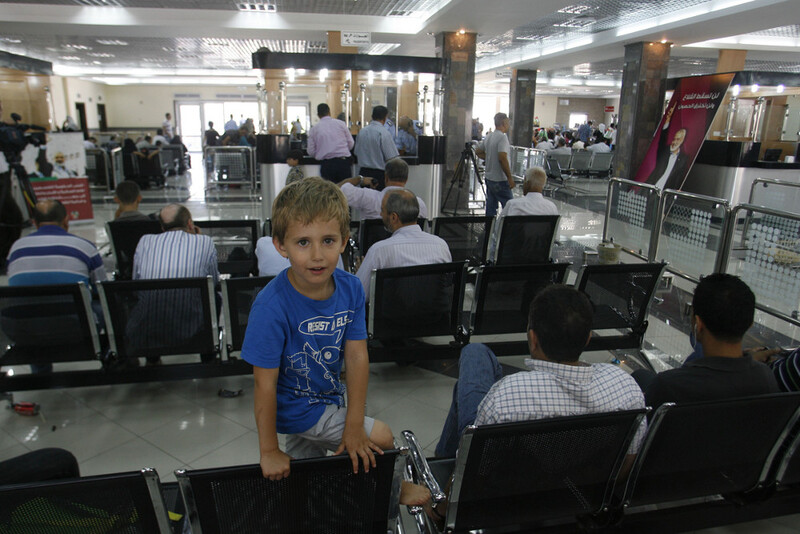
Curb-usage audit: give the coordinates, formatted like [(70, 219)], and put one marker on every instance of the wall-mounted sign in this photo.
[(609, 109), (563, 102), (499, 74), (356, 38)]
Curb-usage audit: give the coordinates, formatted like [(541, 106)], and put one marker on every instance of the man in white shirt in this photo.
[(601, 146), (532, 203), (408, 245), (167, 127), (494, 149), (361, 195), (562, 147)]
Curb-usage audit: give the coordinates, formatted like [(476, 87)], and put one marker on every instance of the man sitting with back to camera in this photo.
[(361, 194), (408, 245), (556, 384), (179, 252), (723, 308), (128, 195)]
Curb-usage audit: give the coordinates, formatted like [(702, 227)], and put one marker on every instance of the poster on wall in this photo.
[(57, 170), (682, 130)]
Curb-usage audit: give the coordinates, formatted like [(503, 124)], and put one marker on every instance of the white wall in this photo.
[(69, 91), (544, 108)]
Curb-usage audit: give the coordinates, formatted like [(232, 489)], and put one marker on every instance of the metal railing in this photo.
[(775, 194), (117, 169), (763, 249), (227, 165), (691, 233), (523, 158), (632, 216), (98, 167)]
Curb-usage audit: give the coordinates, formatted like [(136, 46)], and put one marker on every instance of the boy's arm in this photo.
[(274, 462), (354, 438)]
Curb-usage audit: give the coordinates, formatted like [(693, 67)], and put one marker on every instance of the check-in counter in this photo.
[(727, 169), (425, 170)]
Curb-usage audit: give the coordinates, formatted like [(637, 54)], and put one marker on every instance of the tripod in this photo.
[(461, 174)]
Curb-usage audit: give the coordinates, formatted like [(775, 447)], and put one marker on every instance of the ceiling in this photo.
[(577, 47)]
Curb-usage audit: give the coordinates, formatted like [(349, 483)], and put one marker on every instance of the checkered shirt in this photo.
[(550, 389)]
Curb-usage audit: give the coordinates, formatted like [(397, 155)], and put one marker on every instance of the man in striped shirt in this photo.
[(179, 252), (51, 255)]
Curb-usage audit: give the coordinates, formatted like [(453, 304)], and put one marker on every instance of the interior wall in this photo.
[(544, 109), (610, 116), (593, 107), (76, 90)]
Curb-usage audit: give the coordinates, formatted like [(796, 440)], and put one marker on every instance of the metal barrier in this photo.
[(98, 168), (763, 249), (523, 158), (117, 170), (172, 159), (227, 165), (775, 194), (632, 216), (691, 234)]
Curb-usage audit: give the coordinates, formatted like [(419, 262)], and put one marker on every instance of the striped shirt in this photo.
[(175, 254), (407, 246), (328, 139), (51, 255), (550, 389)]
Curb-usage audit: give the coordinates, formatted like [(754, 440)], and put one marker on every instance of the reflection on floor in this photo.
[(187, 425)]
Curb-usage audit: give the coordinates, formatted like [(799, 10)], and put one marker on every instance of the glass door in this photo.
[(190, 126)]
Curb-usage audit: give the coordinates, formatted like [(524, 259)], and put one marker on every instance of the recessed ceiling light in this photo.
[(575, 9), (10, 40), (70, 58), (99, 54), (77, 47), (111, 42)]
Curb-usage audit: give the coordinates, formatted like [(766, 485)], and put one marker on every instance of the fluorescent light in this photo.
[(323, 74), (411, 76), (781, 88), (736, 89), (384, 75), (754, 88), (399, 78), (370, 77), (290, 74)]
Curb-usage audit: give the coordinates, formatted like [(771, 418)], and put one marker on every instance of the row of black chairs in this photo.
[(583, 163), (414, 313), (704, 464)]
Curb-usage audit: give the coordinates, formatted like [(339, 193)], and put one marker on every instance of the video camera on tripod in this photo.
[(461, 175), (13, 140)]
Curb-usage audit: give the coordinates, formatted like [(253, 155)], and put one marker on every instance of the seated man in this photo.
[(368, 200), (722, 311), (128, 196), (408, 245), (532, 203), (556, 383), (561, 148), (179, 252)]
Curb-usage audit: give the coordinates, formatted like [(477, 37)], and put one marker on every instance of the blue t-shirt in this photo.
[(305, 339)]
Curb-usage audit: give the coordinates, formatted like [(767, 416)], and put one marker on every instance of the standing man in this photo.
[(211, 135), (167, 127), (330, 142), (584, 131), (231, 124), (375, 146), (494, 149)]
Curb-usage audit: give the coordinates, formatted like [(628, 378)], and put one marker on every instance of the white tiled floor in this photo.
[(185, 424)]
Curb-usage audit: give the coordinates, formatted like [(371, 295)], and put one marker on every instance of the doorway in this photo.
[(80, 109), (101, 117)]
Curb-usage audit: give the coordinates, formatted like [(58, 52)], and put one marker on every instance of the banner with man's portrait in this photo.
[(682, 130)]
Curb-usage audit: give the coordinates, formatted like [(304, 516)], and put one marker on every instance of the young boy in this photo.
[(295, 172), (302, 326)]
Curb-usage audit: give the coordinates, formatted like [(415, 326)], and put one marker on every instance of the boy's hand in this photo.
[(275, 464), (357, 444)]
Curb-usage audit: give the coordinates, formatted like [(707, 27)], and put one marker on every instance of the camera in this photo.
[(14, 139)]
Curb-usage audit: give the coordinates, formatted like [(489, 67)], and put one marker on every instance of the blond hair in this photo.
[(309, 200)]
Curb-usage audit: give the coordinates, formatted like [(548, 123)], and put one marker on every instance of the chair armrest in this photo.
[(422, 468)]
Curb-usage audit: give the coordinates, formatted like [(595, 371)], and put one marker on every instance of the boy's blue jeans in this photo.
[(478, 370)]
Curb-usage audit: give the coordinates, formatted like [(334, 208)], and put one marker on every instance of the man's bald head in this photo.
[(50, 212), (175, 217), (535, 180)]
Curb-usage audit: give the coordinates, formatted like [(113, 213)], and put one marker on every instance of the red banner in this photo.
[(682, 130), (72, 192)]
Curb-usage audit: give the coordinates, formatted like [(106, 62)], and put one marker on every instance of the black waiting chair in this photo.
[(467, 237), (621, 296), (235, 241), (564, 160), (581, 161), (124, 502), (266, 228), (155, 318), (503, 295), (320, 495), (373, 230), (601, 164), (523, 239), (553, 169), (238, 295), (47, 324), (124, 237), (514, 477), (98, 167), (700, 449)]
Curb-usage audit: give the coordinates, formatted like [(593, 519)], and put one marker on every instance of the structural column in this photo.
[(522, 98), (641, 103), (457, 81)]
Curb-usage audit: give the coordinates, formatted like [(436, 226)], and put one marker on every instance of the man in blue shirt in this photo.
[(375, 146)]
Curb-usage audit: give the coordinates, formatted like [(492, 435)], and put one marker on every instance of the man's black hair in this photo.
[(159, 131), (726, 305), (55, 212), (323, 110), (561, 318), (127, 192), (380, 113), (295, 153), (404, 203), (396, 170)]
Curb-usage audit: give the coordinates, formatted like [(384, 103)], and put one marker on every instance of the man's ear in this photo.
[(279, 247)]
